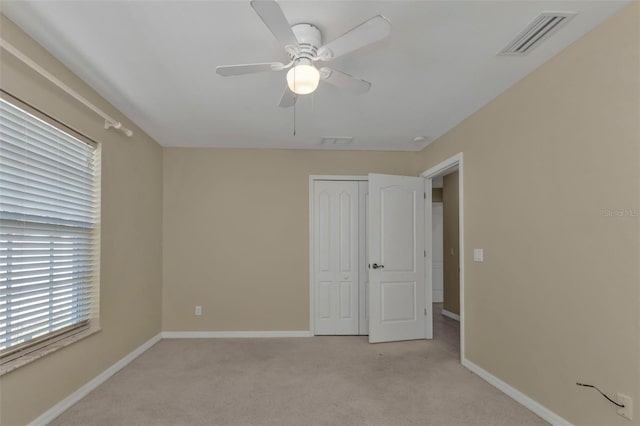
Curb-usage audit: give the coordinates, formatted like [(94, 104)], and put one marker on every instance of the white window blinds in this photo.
[(48, 230)]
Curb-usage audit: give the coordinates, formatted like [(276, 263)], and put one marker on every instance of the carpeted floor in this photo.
[(300, 381)]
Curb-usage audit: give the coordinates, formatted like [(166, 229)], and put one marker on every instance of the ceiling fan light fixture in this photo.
[(303, 79)]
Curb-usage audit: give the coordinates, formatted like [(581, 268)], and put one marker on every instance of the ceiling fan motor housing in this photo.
[(309, 40)]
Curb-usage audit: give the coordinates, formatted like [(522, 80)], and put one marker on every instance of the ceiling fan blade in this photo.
[(344, 81), (288, 98), (230, 70), (272, 16), (368, 32)]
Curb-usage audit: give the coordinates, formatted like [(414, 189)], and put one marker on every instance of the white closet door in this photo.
[(336, 260), (397, 299)]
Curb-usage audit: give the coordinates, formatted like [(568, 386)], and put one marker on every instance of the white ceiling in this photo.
[(155, 61)]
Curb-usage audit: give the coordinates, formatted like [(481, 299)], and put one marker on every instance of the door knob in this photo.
[(376, 266)]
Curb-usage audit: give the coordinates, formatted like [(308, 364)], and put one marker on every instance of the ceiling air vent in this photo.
[(336, 140), (539, 29)]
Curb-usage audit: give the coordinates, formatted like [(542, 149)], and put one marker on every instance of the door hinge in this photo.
[(425, 312), (425, 195), (425, 253)]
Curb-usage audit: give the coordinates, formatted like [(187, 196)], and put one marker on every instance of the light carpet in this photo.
[(300, 381)]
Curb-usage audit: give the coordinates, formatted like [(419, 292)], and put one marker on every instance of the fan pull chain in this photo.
[(294, 101)]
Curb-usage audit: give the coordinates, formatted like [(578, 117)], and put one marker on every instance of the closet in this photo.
[(367, 257)]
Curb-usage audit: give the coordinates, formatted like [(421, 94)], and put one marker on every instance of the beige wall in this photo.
[(130, 296), (557, 298), (451, 243), (236, 233)]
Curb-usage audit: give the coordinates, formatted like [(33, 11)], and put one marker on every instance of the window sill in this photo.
[(54, 345)]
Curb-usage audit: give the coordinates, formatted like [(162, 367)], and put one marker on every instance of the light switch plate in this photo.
[(478, 255)]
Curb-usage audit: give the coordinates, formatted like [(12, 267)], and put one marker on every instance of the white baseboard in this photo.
[(518, 396), (232, 334), (451, 315), (63, 405)]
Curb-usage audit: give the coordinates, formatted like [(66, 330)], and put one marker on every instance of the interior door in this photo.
[(336, 257), (397, 289)]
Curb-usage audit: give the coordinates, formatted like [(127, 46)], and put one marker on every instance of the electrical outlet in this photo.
[(627, 410), (198, 310)]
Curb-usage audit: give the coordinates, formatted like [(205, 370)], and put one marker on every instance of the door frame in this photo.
[(452, 163), (312, 180)]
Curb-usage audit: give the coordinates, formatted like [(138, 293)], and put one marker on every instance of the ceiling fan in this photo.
[(303, 44)]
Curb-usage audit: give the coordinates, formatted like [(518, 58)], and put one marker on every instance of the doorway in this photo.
[(437, 243), (448, 316)]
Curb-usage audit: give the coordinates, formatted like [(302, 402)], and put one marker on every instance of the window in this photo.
[(49, 231)]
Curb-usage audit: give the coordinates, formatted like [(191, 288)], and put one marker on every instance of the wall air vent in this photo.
[(336, 140), (537, 31)]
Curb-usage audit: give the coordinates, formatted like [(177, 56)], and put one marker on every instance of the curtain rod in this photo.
[(108, 121)]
